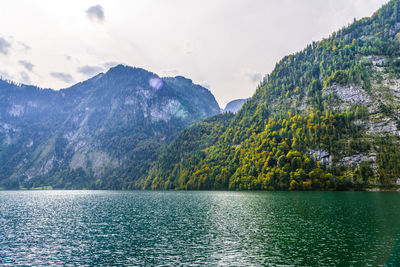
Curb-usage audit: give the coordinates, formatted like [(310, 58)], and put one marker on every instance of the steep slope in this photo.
[(234, 105), (185, 151), (325, 118), (102, 133)]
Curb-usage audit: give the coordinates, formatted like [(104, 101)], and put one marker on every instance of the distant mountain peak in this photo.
[(122, 69), (235, 105)]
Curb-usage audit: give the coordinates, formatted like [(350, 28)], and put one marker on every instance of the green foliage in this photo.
[(273, 142), (277, 158), (388, 161), (188, 149)]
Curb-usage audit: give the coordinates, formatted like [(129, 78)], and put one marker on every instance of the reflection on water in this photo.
[(225, 228)]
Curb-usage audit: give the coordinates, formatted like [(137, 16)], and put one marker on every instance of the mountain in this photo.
[(326, 118), (105, 132), (234, 105), (187, 150)]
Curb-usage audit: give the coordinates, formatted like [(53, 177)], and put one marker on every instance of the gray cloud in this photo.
[(25, 77), (252, 76), (256, 77), (25, 46), (4, 46), (65, 77), (90, 70), (110, 64), (28, 65), (95, 13)]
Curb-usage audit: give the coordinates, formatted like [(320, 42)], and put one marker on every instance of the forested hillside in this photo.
[(326, 117)]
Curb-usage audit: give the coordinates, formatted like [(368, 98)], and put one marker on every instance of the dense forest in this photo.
[(326, 118)]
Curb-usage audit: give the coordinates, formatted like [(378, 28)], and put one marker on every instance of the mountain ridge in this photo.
[(104, 132)]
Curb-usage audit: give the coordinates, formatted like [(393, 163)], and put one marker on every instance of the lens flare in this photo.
[(156, 83)]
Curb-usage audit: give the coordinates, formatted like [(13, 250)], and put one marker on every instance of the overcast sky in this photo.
[(225, 45)]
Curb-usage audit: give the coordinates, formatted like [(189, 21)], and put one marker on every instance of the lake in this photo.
[(199, 228)]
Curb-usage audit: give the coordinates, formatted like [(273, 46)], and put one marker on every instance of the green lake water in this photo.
[(199, 228)]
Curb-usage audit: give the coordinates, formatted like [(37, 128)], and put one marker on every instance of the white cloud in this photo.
[(188, 48), (170, 73), (4, 75), (205, 84)]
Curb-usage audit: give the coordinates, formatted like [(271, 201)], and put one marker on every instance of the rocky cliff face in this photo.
[(103, 132)]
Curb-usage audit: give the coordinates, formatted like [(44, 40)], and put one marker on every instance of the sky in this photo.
[(224, 45)]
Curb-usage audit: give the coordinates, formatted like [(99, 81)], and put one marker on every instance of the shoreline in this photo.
[(366, 189)]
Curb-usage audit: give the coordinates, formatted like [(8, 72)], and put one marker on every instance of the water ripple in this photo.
[(198, 228)]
